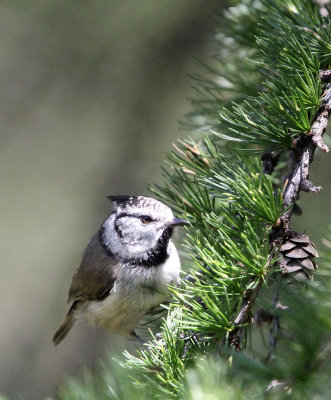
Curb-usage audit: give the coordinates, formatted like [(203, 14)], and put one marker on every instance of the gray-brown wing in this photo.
[(95, 275)]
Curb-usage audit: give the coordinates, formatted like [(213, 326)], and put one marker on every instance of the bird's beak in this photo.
[(178, 221)]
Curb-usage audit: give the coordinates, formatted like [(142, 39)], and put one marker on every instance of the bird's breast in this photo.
[(137, 289)]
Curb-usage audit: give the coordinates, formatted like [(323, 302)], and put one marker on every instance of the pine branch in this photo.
[(321, 121), (244, 316), (304, 154), (286, 114)]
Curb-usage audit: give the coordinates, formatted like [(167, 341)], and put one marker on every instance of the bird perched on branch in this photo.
[(126, 268)]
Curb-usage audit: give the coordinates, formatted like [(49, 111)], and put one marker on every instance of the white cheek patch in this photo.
[(133, 239), (129, 230)]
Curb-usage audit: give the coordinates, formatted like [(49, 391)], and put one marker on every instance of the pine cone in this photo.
[(298, 254)]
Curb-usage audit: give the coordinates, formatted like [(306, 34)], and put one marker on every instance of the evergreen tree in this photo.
[(247, 320)]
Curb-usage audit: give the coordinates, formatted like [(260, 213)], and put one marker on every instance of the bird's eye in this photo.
[(145, 219)]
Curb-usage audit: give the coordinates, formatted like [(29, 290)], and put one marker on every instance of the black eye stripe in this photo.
[(145, 216), (122, 215), (118, 230)]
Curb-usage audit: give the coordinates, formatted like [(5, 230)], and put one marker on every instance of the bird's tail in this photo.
[(64, 328)]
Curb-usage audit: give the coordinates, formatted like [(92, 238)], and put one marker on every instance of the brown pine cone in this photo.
[(298, 255)]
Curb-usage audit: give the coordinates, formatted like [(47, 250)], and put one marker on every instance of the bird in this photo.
[(126, 267)]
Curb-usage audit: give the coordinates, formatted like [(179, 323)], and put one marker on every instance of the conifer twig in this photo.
[(244, 316), (304, 154), (320, 124)]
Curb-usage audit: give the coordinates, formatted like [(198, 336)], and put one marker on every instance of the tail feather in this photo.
[(64, 328)]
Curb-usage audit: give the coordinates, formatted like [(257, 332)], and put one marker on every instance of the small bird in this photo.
[(126, 268)]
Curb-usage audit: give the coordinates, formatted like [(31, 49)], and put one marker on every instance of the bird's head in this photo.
[(138, 226)]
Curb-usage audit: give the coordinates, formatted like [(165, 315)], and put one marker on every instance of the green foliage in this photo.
[(162, 365), (230, 249), (305, 17), (291, 89), (248, 187), (234, 206)]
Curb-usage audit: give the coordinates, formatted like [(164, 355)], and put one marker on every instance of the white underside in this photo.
[(136, 291)]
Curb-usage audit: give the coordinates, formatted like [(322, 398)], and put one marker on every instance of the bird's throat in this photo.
[(153, 257)]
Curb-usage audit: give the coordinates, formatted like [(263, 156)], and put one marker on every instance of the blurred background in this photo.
[(90, 97)]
